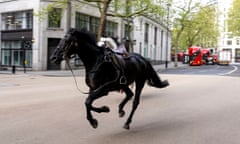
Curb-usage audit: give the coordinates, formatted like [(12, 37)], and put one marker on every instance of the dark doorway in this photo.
[(52, 44)]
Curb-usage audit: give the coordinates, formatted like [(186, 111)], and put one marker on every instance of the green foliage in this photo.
[(45, 11), (234, 18), (133, 8), (203, 29), (196, 25), (127, 9)]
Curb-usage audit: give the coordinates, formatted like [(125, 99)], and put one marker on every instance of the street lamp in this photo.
[(167, 41), (24, 57)]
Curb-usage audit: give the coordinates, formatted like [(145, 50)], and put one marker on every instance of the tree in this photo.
[(196, 24), (184, 13), (129, 9), (102, 5), (202, 28), (234, 18), (126, 9)]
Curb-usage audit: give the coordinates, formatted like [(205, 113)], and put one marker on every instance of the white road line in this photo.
[(235, 69)]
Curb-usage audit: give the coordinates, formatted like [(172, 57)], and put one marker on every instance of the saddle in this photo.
[(112, 57)]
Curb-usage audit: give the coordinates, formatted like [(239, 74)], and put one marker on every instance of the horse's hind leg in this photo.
[(139, 87), (129, 95)]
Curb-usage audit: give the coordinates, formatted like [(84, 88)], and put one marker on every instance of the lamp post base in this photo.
[(166, 64)]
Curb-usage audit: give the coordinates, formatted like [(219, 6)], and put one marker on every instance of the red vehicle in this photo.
[(208, 57), (195, 56)]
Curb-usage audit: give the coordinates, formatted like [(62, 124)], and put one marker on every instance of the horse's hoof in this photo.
[(165, 83), (126, 127), (94, 123), (105, 109), (121, 113)]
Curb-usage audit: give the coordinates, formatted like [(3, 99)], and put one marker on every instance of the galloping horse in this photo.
[(105, 71)]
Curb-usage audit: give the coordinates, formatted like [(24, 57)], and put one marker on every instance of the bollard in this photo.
[(13, 69)]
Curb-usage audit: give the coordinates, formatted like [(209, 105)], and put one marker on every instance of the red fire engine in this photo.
[(208, 57), (199, 56), (195, 56)]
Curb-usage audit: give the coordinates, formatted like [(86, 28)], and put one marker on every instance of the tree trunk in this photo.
[(103, 19), (176, 47), (129, 30)]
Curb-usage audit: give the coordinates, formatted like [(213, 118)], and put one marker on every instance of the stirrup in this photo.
[(123, 80)]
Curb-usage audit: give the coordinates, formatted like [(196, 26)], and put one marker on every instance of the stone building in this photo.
[(27, 40)]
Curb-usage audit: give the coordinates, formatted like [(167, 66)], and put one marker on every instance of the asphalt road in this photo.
[(194, 109), (223, 70)]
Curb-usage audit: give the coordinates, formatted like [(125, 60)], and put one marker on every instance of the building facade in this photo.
[(27, 40), (226, 41), (232, 44)]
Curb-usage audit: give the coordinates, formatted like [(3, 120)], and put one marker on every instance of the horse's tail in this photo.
[(154, 80)]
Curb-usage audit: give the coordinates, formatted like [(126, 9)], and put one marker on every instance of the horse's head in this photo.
[(66, 47)]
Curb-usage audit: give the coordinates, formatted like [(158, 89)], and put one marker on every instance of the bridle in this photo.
[(108, 57), (67, 48), (66, 58)]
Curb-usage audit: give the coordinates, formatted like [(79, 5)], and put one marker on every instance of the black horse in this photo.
[(107, 71)]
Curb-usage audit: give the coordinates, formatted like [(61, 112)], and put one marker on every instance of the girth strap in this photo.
[(110, 56)]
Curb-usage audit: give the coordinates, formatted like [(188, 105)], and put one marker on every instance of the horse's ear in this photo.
[(71, 30)]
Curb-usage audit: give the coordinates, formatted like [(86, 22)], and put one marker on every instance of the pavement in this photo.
[(81, 72)]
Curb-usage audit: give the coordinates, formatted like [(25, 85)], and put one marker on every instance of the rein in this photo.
[(74, 77), (108, 57), (69, 66)]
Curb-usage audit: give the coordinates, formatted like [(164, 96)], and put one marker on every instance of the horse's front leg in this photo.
[(129, 95), (99, 109), (139, 87), (88, 104), (103, 90)]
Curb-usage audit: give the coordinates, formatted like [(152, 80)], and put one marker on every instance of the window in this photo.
[(82, 21), (29, 20), (238, 42), (88, 22), (92, 23), (146, 33), (54, 18), (155, 35), (17, 20), (127, 29), (111, 29), (237, 55), (229, 42)]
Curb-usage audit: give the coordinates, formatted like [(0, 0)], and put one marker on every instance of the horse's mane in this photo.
[(91, 37), (86, 36)]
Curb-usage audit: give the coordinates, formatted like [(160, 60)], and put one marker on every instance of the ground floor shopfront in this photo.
[(16, 48)]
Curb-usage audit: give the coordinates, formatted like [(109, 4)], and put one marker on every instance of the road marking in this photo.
[(235, 69)]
